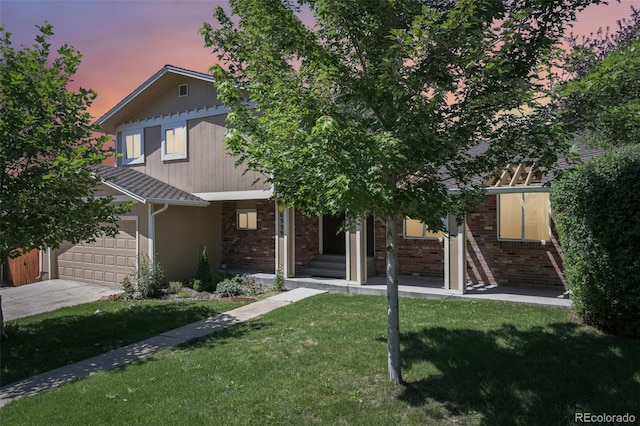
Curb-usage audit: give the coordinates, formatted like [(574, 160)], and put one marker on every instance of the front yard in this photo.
[(324, 360)]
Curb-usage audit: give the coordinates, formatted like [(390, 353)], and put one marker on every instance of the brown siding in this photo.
[(208, 168), (252, 250), (181, 234)]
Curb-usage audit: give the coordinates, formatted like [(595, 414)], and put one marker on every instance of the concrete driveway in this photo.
[(45, 296)]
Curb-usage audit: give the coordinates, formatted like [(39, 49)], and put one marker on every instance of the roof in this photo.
[(133, 101), (146, 189)]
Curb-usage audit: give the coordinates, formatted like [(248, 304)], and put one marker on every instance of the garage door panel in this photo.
[(108, 260)]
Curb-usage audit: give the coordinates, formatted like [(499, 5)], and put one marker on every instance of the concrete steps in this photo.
[(327, 266)]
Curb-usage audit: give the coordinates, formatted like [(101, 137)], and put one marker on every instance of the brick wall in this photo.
[(306, 240), (508, 262), (488, 260), (415, 256), (252, 250)]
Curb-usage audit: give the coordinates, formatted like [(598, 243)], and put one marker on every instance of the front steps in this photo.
[(327, 266)]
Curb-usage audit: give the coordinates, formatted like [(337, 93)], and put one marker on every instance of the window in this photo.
[(174, 141), (133, 147), (415, 229), (524, 216), (183, 90), (247, 219)]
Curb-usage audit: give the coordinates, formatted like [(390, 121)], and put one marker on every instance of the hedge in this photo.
[(596, 208)]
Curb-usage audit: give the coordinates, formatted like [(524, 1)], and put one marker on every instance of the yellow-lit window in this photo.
[(247, 219), (415, 229), (133, 148), (174, 141), (524, 216)]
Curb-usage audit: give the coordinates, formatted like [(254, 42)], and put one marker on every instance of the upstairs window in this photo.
[(247, 219), (133, 147), (174, 141), (183, 90), (524, 216), (417, 230)]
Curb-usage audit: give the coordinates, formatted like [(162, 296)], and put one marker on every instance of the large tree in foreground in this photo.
[(371, 107), (46, 148)]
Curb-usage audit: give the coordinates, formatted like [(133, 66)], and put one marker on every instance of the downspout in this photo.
[(152, 229), (49, 266), (40, 263)]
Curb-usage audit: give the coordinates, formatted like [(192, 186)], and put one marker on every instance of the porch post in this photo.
[(285, 240), (455, 256), (356, 240)]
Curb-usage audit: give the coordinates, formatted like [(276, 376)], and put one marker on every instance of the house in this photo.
[(188, 194)]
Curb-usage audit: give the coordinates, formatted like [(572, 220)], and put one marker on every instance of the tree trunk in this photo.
[(393, 317)]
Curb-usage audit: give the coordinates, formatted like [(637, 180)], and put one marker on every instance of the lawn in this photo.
[(323, 360), (67, 335)]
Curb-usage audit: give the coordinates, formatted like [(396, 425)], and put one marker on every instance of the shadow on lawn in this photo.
[(49, 343), (538, 376)]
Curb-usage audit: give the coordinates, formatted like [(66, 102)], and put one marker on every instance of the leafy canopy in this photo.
[(46, 150), (600, 99), (379, 106)]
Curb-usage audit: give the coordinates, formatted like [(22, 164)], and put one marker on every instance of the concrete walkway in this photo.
[(135, 351), (45, 296)]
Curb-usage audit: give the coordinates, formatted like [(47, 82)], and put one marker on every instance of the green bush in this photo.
[(596, 208), (230, 287), (203, 278), (278, 280), (148, 279)]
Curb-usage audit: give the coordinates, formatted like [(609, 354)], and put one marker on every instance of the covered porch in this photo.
[(432, 288)]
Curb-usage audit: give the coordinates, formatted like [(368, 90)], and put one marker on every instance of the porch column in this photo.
[(356, 241), (285, 240), (455, 256)]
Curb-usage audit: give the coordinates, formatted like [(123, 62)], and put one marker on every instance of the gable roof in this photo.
[(164, 78), (146, 189)]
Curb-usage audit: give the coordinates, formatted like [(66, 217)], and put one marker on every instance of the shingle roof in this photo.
[(145, 189)]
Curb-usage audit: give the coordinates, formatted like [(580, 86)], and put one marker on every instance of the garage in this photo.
[(106, 261)]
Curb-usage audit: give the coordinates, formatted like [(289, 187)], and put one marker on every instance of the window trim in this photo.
[(522, 224), (137, 160), (186, 91), (246, 211), (163, 135), (426, 233)]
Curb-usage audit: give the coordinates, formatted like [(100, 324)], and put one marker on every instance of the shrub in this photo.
[(250, 287), (278, 281), (203, 275), (230, 287), (148, 279), (175, 287), (595, 209)]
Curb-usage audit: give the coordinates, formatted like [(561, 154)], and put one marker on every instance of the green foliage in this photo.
[(605, 103), (203, 279), (147, 280), (278, 280), (595, 208), (230, 287), (46, 149), (175, 287), (370, 109)]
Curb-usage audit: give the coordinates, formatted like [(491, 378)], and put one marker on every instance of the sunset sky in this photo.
[(124, 42)]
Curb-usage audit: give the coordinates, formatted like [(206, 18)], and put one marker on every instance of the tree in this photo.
[(376, 106), (599, 90), (46, 150)]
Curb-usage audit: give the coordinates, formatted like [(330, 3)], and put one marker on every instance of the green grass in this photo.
[(324, 360), (68, 335)]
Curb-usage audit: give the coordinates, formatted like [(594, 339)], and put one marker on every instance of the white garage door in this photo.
[(106, 261)]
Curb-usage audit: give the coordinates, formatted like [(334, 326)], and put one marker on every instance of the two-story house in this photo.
[(189, 194)]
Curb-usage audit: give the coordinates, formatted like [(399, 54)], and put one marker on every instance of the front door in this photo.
[(333, 241)]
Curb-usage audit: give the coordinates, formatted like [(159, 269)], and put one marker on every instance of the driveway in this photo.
[(45, 296)]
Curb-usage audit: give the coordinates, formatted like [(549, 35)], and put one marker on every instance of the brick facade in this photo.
[(306, 240), (508, 262), (252, 250), (415, 256)]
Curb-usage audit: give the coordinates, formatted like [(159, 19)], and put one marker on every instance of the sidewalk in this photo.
[(135, 351)]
